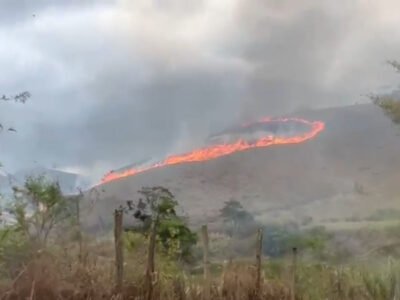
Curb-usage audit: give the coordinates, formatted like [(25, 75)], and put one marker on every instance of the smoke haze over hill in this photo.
[(115, 82)]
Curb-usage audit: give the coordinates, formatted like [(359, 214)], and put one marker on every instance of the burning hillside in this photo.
[(314, 178), (264, 133)]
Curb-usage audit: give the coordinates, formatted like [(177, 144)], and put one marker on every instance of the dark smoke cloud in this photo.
[(311, 54), (118, 81)]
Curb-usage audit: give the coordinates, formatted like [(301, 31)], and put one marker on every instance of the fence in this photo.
[(150, 267)]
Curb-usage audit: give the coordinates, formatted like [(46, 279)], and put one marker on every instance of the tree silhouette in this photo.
[(18, 98), (235, 217), (389, 104)]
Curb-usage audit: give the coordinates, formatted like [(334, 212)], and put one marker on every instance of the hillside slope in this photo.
[(352, 168)]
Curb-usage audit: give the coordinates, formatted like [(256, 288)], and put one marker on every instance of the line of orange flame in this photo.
[(215, 151)]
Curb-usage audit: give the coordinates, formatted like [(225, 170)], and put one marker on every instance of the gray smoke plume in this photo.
[(115, 82)]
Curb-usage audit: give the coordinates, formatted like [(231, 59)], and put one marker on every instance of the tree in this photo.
[(236, 218), (38, 208), (157, 210), (389, 104)]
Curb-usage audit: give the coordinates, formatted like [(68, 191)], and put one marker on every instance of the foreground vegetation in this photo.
[(44, 254), (60, 277)]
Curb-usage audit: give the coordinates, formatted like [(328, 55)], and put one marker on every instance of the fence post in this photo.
[(206, 262), (150, 260), (294, 265), (78, 221), (259, 261), (119, 254)]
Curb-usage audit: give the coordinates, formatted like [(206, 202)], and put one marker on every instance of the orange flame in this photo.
[(215, 151)]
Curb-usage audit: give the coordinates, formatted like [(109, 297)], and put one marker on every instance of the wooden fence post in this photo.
[(294, 265), (119, 254), (78, 221), (150, 260), (259, 261), (206, 262)]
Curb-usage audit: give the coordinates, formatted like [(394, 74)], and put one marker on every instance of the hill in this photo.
[(349, 170)]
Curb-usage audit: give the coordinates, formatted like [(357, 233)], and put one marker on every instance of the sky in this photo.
[(114, 82)]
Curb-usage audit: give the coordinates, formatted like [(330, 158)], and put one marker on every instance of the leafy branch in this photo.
[(18, 98)]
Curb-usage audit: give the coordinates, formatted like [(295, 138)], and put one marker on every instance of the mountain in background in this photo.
[(69, 182)]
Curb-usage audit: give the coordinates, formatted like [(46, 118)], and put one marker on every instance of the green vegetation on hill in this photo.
[(390, 105)]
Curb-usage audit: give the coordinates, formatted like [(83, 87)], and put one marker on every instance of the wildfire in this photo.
[(215, 151)]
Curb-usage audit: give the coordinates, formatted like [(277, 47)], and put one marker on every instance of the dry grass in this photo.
[(56, 273), (60, 276), (47, 279)]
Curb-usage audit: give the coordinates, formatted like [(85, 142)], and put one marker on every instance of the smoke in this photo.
[(313, 54), (117, 82)]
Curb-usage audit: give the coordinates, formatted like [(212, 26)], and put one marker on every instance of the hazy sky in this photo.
[(117, 81)]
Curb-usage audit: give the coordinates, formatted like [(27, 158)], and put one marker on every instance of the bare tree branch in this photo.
[(395, 64), (18, 98)]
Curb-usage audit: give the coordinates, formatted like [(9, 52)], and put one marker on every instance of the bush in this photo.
[(280, 239), (384, 215), (159, 208), (237, 220), (14, 251)]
